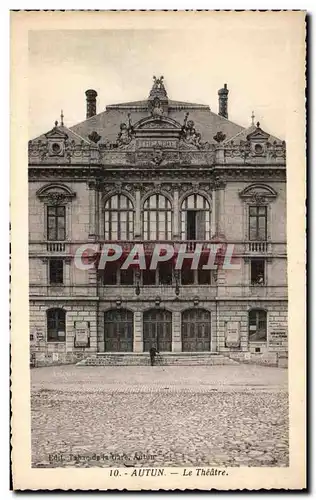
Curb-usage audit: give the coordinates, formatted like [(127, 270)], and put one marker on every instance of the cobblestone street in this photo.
[(154, 416)]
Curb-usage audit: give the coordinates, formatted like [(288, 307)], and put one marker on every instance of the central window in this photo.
[(195, 218), (56, 223), (157, 218), (118, 218), (257, 223)]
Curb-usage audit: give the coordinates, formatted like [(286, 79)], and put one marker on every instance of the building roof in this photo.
[(107, 123), (242, 136), (63, 132)]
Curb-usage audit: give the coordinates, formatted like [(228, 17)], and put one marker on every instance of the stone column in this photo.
[(92, 210), (220, 209), (213, 213), (137, 229), (176, 227), (138, 332), (176, 332)]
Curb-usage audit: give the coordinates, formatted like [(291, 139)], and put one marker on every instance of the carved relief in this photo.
[(219, 137), (190, 136), (258, 194), (126, 133), (55, 194), (94, 137)]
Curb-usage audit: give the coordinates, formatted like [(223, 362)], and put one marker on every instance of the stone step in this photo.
[(142, 359)]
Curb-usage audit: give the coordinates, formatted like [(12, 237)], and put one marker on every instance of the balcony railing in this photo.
[(257, 246), (56, 246), (240, 248)]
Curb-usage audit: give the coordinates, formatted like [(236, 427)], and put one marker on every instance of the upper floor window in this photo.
[(257, 223), (257, 272), (56, 325), (157, 218), (119, 218), (56, 271), (56, 223), (195, 218)]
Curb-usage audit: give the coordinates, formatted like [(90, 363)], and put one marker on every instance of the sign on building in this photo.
[(232, 334), (82, 333)]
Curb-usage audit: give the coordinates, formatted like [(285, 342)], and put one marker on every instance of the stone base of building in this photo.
[(162, 359)]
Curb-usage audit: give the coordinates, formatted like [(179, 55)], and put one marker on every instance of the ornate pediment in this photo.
[(56, 133), (258, 135), (258, 194), (55, 194), (154, 122)]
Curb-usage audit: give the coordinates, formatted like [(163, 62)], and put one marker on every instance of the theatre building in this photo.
[(149, 172)]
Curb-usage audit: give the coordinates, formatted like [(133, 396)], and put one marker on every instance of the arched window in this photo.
[(196, 330), (118, 330), (157, 218), (195, 218), (56, 325), (257, 325), (118, 218), (157, 330)]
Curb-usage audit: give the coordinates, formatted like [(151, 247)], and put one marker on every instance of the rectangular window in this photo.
[(257, 272), (165, 270), (127, 276), (204, 276), (187, 276), (191, 225), (56, 325), (56, 272), (56, 223), (257, 223), (110, 274), (149, 277), (257, 326)]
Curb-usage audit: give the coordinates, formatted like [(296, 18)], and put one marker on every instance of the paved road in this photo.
[(114, 416)]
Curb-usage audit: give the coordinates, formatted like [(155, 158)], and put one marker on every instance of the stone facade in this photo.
[(239, 176)]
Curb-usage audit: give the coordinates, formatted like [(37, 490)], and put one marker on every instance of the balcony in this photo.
[(56, 246), (257, 247)]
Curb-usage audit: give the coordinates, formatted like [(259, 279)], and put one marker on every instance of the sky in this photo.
[(257, 61)]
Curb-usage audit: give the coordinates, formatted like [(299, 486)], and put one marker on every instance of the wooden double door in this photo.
[(196, 330), (157, 330), (118, 330)]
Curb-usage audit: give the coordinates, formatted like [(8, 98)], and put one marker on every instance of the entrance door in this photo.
[(118, 331), (157, 330), (196, 330)]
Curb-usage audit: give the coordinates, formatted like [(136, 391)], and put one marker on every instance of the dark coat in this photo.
[(153, 351)]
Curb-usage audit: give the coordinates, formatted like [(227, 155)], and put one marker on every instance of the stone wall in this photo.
[(46, 353)]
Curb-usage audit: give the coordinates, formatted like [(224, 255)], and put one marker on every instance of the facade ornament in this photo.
[(57, 198), (219, 183), (157, 109), (158, 87), (69, 149), (157, 157), (94, 137), (219, 137), (245, 149), (190, 136), (258, 199), (126, 133)]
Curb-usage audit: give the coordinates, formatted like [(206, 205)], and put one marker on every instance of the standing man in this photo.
[(153, 351)]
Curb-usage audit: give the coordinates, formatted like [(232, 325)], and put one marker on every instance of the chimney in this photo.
[(91, 103), (223, 101)]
